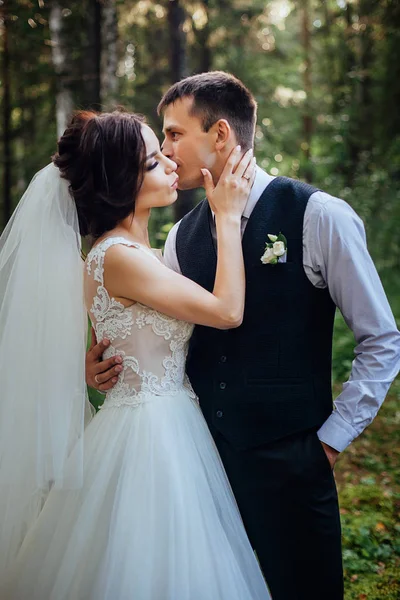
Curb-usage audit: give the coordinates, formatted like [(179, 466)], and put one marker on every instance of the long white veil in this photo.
[(43, 399)]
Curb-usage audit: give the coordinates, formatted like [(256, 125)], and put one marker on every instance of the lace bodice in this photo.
[(153, 346)]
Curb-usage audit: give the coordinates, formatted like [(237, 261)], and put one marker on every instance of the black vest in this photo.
[(271, 376)]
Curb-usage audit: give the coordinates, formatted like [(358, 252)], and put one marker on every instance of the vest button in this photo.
[(222, 385), (219, 413), (223, 359)]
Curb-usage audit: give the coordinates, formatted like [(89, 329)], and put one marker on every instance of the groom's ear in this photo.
[(223, 134)]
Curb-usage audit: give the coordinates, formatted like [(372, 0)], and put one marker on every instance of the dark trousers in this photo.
[(287, 497)]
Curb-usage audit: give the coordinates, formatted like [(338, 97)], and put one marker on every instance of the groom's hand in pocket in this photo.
[(331, 454), (101, 374)]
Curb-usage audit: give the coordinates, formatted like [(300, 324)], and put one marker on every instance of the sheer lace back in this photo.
[(153, 345)]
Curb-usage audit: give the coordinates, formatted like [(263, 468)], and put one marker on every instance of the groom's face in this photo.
[(187, 144)]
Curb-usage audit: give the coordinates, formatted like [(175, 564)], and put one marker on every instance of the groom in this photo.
[(265, 388)]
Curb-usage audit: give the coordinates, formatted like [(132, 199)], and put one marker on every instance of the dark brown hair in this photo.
[(217, 95), (103, 157)]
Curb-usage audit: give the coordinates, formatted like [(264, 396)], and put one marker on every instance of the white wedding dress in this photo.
[(155, 518)]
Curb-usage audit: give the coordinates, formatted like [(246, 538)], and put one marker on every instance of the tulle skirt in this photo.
[(154, 520)]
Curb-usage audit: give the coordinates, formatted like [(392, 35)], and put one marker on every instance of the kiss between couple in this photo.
[(174, 492)]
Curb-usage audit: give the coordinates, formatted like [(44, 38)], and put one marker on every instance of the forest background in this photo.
[(326, 76)]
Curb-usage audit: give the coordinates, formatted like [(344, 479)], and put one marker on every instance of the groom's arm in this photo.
[(339, 255), (100, 374), (170, 256)]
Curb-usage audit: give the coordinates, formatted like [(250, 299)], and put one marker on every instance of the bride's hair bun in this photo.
[(103, 157)]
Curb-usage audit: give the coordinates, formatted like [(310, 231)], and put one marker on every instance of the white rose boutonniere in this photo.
[(275, 250)]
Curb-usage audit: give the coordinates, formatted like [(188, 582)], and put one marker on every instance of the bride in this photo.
[(138, 506)]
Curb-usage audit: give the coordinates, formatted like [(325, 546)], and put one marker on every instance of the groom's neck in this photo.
[(217, 169)]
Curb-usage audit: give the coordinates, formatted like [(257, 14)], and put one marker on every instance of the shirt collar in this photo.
[(261, 181)]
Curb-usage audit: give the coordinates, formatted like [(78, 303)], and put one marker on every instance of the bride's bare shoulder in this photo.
[(121, 259)]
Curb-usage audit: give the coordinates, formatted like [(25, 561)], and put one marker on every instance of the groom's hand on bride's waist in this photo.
[(331, 454), (101, 374)]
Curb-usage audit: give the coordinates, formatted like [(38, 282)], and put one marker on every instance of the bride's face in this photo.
[(160, 183)]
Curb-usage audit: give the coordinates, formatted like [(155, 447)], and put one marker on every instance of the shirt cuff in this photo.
[(336, 432)]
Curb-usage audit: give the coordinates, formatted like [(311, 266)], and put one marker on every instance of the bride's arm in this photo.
[(132, 274)]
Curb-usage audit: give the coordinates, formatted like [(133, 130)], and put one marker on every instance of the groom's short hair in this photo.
[(217, 95)]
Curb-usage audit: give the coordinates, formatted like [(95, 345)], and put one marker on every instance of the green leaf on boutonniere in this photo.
[(282, 238)]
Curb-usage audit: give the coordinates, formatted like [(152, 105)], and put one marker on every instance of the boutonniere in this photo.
[(275, 250)]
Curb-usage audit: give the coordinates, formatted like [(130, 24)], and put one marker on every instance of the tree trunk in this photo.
[(330, 56), (92, 55), (390, 91), (109, 54), (6, 119), (179, 70), (23, 139), (361, 129), (350, 65), (307, 83), (204, 41), (178, 47), (366, 122), (62, 67)]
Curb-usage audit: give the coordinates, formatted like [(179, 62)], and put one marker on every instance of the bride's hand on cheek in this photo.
[(230, 195)]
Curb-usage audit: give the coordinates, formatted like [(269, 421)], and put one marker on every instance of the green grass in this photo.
[(368, 478)]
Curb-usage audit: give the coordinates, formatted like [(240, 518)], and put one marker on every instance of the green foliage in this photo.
[(369, 532), (384, 586), (96, 398), (343, 350), (368, 476)]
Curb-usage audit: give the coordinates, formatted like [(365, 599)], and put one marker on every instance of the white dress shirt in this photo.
[(335, 255)]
